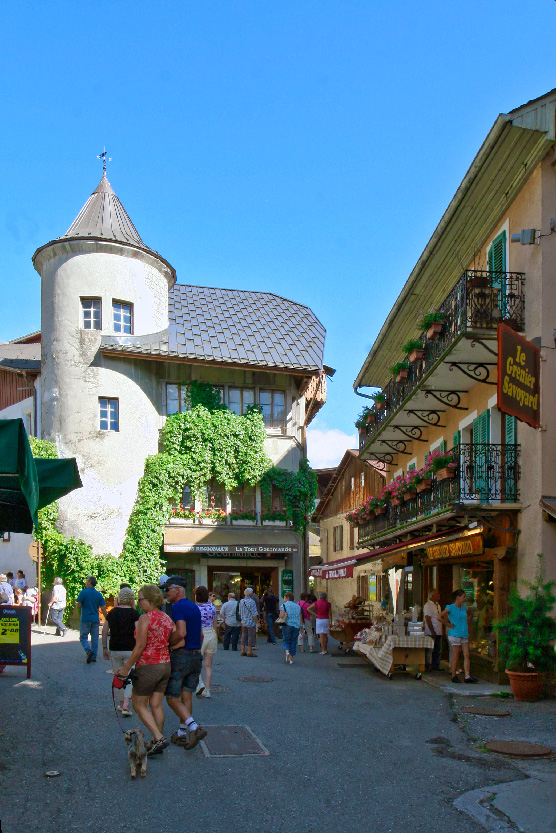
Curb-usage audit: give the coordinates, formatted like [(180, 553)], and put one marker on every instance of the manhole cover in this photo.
[(256, 679), (219, 689), (485, 711), (519, 749), (231, 742)]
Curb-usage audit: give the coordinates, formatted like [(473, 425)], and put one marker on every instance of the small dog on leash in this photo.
[(137, 754)]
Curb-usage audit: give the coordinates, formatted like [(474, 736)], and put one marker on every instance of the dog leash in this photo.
[(126, 680)]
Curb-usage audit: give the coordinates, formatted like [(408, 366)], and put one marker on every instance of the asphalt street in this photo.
[(349, 750)]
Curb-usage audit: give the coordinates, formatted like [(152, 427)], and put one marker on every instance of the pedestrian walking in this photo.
[(120, 624), (292, 615), (57, 606), (433, 628), (6, 591), (270, 603), (21, 582), (185, 658), (249, 623), (456, 617), (152, 665), (89, 601), (321, 609), (209, 645), (232, 625), (307, 631)]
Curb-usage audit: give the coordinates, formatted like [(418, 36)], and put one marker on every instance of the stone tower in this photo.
[(99, 279)]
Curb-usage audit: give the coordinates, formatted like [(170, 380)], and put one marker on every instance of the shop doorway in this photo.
[(188, 577), (225, 579)]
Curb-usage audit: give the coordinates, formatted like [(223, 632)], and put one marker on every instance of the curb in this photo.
[(477, 804)]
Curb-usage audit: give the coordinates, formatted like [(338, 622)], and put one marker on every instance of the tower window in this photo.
[(91, 314), (109, 414), (123, 317)]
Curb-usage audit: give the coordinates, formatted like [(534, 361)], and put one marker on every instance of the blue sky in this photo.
[(302, 148)]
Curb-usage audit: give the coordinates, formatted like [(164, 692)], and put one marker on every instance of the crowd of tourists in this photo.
[(16, 591)]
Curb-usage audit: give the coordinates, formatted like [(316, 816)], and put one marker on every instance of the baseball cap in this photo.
[(173, 580), (162, 580)]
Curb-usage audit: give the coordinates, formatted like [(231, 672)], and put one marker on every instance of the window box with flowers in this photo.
[(274, 518), (432, 324), (248, 518), (443, 464), (211, 517), (400, 370), (414, 350), (366, 417), (179, 515), (379, 400)]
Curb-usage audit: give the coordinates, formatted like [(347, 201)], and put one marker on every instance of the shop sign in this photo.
[(15, 636), (236, 550), (519, 370), (454, 549), (327, 573), (287, 581)]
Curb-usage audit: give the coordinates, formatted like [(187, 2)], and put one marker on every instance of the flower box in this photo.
[(380, 406), (402, 374), (425, 485), (409, 495), (274, 523), (370, 418), (434, 330), (380, 510), (395, 501), (211, 521), (362, 432), (447, 473), (181, 521), (416, 355), (243, 522)]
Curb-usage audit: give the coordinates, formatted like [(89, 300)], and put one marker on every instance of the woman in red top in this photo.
[(151, 658), (321, 609)]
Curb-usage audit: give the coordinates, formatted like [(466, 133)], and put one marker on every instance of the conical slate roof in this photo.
[(104, 216)]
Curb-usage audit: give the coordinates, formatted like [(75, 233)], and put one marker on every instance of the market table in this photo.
[(397, 650), (348, 632)]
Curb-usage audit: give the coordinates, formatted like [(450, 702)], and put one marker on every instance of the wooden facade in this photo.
[(14, 387)]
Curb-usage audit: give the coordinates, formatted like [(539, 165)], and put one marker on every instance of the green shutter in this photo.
[(411, 467), (442, 447), (497, 254), (457, 439), (510, 437), (481, 436)]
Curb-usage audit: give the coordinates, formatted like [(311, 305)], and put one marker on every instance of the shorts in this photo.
[(458, 640), (248, 636), (151, 678), (322, 625), (210, 641), (186, 669)]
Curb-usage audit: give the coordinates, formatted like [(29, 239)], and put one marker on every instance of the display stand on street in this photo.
[(397, 651)]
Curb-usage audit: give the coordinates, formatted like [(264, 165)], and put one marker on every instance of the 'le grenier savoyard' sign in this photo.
[(519, 367)]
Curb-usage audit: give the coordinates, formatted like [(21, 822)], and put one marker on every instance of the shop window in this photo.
[(239, 399), (273, 404), (478, 584), (408, 588), (122, 315), (363, 587), (338, 538), (244, 499), (91, 314), (109, 416)]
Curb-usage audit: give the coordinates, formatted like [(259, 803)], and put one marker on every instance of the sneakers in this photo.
[(90, 657), (456, 680), (179, 740), (471, 680), (206, 693), (195, 736), (200, 688), (157, 747)]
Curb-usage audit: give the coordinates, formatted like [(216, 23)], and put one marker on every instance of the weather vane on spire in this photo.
[(105, 159)]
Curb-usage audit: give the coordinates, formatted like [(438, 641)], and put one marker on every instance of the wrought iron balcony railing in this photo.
[(479, 301), (485, 474)]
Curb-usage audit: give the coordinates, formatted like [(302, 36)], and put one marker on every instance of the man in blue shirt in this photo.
[(456, 618), (90, 600), (186, 662)]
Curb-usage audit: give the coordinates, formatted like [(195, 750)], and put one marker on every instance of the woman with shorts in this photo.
[(151, 658), (210, 640), (321, 609), (120, 623), (456, 618)]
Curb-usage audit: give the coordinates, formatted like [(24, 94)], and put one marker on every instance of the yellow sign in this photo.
[(9, 630), (455, 549)]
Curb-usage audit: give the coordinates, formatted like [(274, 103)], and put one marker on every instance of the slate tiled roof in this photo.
[(232, 326)]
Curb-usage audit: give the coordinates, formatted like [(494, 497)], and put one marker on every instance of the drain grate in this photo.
[(231, 742), (519, 749), (255, 679), (485, 711)]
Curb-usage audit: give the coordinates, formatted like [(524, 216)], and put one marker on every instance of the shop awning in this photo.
[(548, 505), (27, 484), (230, 540)]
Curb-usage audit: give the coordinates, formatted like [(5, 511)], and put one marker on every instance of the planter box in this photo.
[(362, 432), (181, 521), (395, 501), (402, 375), (274, 523), (416, 355), (380, 510), (434, 330), (212, 522), (409, 495), (370, 419), (380, 406), (244, 522), (425, 485), (445, 474)]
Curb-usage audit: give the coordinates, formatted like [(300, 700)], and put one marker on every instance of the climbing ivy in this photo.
[(299, 491)]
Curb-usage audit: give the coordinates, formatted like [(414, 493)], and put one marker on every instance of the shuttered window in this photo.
[(511, 430), (457, 439), (497, 254)]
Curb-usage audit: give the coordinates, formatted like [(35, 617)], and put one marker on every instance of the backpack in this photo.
[(238, 616)]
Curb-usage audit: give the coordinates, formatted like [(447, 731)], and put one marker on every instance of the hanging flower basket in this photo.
[(402, 374), (416, 355), (434, 330), (370, 418), (409, 495), (380, 406), (424, 485), (447, 473)]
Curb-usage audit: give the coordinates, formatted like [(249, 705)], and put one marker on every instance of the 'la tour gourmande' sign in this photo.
[(519, 367)]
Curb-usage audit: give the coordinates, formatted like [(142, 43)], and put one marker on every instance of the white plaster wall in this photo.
[(21, 410), (74, 376)]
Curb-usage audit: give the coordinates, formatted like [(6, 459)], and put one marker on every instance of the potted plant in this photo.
[(432, 324), (379, 400), (423, 479), (366, 417), (274, 517), (442, 464), (526, 638), (179, 514), (414, 350), (478, 280), (247, 518), (400, 370), (211, 517)]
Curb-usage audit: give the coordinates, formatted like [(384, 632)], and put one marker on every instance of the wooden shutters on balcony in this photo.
[(497, 264), (481, 439)]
